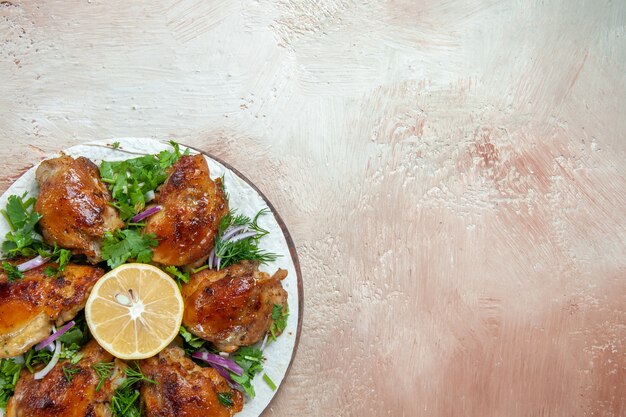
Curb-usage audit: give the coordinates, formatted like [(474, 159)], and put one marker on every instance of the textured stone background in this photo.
[(452, 172)]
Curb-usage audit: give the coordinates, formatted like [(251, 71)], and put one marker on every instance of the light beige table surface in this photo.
[(453, 174)]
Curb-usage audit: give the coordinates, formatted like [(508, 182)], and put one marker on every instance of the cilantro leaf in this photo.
[(279, 320), (121, 245), (251, 360), (12, 272), (130, 180), (177, 274), (190, 339), (22, 239)]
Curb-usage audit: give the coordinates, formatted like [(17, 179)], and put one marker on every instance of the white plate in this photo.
[(246, 199)]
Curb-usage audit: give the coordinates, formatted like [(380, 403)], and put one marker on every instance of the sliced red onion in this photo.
[(226, 375), (54, 336), (219, 261), (31, 264), (232, 231), (214, 359), (149, 196), (264, 341), (149, 212), (50, 365), (242, 236)]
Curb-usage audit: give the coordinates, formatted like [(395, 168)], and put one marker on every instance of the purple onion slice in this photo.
[(146, 213), (214, 359), (32, 264), (54, 336)]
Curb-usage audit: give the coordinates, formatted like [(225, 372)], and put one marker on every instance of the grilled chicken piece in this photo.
[(183, 388), (232, 307), (55, 396), (31, 305), (193, 206), (74, 204)]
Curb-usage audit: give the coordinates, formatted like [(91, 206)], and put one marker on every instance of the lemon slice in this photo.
[(134, 311)]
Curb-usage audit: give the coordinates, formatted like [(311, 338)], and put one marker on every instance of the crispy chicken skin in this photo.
[(193, 206), (184, 389), (31, 305), (232, 307), (55, 396), (74, 204)]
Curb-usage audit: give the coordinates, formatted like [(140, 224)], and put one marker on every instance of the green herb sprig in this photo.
[(130, 180), (69, 372), (225, 398), (22, 240), (125, 400), (9, 375), (232, 251), (178, 275), (251, 360), (121, 245), (279, 320), (104, 370)]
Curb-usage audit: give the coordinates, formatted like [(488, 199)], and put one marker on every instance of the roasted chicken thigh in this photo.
[(55, 395), (31, 305), (74, 203), (192, 207), (184, 389), (232, 307)]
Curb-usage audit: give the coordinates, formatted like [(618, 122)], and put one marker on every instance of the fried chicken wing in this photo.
[(74, 204), (184, 389), (55, 396), (193, 206), (232, 307), (31, 305)]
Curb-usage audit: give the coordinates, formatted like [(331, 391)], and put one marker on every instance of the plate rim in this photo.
[(292, 252)]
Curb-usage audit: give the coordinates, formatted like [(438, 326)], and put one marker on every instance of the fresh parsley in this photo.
[(71, 343), (181, 277), (130, 180), (60, 256), (12, 272), (194, 342), (22, 240), (232, 251), (115, 145), (251, 360), (226, 398), (279, 320), (34, 357), (9, 375), (69, 351), (119, 246)]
